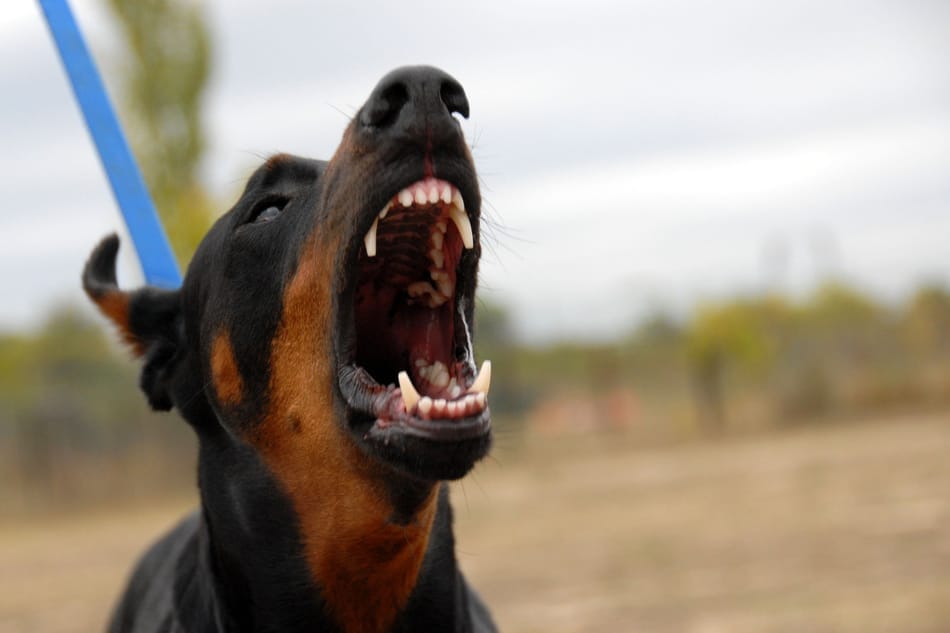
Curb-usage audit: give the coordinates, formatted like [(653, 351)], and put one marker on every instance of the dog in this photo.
[(321, 349)]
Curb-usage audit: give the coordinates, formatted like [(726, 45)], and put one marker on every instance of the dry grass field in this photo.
[(844, 528)]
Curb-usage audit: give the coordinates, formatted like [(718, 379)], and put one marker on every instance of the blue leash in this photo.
[(129, 189)]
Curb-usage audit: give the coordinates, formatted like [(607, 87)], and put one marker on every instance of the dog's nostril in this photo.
[(383, 110), (453, 96)]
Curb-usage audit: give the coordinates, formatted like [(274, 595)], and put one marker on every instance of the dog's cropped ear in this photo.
[(149, 320)]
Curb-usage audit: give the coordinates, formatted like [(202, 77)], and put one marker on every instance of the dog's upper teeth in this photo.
[(410, 397), (483, 381), (429, 192), (370, 239), (460, 218)]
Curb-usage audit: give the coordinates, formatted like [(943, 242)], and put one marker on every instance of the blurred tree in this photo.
[(164, 77), (926, 322), (745, 334)]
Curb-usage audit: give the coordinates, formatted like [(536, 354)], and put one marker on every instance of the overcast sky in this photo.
[(634, 155)]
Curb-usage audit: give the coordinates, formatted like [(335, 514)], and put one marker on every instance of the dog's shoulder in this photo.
[(149, 602)]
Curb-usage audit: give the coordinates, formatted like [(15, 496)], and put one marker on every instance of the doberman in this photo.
[(321, 348)]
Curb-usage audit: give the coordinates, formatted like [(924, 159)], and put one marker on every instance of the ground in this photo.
[(842, 528)]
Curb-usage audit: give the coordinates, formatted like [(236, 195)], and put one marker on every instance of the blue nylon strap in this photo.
[(155, 255)]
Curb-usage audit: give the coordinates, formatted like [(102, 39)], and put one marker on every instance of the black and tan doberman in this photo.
[(321, 348)]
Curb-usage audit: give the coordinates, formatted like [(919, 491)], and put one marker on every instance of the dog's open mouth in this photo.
[(409, 363)]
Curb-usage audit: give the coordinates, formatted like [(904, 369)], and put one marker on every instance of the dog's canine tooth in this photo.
[(405, 198), (410, 397), (460, 218), (385, 211), (483, 381), (370, 239)]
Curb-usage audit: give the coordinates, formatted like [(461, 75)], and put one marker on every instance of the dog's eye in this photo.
[(266, 210), (267, 214)]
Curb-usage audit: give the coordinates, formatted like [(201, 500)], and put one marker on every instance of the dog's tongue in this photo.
[(393, 335)]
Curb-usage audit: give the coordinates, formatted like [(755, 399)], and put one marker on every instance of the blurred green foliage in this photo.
[(749, 361), (74, 425), (164, 76)]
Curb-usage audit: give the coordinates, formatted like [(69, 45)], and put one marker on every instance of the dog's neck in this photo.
[(361, 571)]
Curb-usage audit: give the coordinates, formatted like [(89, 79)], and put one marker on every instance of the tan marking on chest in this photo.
[(364, 566)]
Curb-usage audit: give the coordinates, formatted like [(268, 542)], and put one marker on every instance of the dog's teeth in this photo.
[(385, 211), (483, 381), (445, 287), (463, 224), (440, 375), (425, 405), (419, 288), (410, 397), (446, 194), (457, 200), (405, 198), (438, 258), (436, 238), (433, 194), (370, 239), (421, 197)]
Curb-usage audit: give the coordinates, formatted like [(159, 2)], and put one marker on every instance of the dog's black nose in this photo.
[(415, 100)]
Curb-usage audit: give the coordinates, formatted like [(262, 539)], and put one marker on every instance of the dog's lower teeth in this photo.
[(483, 381), (410, 397), (425, 406)]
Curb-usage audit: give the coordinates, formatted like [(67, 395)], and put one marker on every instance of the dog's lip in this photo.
[(383, 407), (379, 409), (454, 430)]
